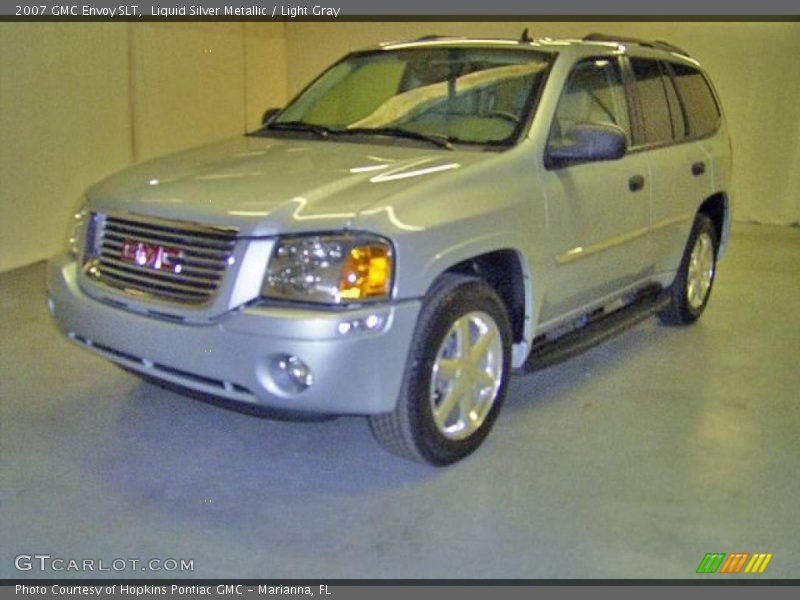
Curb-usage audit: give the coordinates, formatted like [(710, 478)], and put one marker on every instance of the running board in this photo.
[(550, 352)]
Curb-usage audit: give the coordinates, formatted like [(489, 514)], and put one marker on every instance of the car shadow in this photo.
[(176, 446), (163, 444)]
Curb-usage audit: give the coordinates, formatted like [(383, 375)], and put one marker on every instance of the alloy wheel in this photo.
[(467, 375)]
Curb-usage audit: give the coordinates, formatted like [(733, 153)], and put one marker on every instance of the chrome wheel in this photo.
[(700, 272), (467, 375)]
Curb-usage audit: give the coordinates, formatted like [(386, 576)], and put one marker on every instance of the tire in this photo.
[(691, 289), (445, 411)]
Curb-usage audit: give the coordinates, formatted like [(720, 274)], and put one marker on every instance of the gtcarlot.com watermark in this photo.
[(46, 562)]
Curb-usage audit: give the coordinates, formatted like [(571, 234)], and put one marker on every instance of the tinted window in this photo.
[(593, 94), (653, 97), (701, 108), (676, 111)]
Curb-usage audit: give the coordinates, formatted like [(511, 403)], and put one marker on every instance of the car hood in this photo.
[(266, 186)]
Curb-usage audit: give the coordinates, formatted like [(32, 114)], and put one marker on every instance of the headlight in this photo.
[(76, 230), (330, 269)]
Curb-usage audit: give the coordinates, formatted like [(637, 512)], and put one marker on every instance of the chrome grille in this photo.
[(130, 254)]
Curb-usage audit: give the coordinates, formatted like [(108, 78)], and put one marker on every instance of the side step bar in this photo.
[(549, 352)]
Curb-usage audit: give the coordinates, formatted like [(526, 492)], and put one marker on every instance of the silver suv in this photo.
[(422, 219)]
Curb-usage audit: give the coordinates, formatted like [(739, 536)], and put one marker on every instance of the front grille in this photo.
[(172, 261)]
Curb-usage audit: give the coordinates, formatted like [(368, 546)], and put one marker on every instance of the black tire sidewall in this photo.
[(472, 295), (686, 312)]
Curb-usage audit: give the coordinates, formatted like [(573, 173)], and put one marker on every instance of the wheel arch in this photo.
[(717, 208), (506, 271)]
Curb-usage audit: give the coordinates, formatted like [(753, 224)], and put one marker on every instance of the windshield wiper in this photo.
[(438, 140), (318, 130), (325, 132)]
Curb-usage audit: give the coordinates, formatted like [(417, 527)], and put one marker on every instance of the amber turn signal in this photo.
[(366, 273)]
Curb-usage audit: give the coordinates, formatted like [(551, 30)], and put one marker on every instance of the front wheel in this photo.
[(455, 380), (691, 289)]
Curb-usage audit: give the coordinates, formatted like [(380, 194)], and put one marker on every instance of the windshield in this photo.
[(460, 95)]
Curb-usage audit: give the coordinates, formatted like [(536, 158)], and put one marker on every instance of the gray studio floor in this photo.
[(632, 460)]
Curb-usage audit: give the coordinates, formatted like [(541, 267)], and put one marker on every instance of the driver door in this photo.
[(598, 212)]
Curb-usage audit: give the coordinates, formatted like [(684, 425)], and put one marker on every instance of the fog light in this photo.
[(292, 374)]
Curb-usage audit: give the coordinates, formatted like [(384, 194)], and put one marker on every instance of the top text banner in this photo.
[(343, 9)]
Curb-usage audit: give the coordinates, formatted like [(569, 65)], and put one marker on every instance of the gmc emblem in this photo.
[(153, 256)]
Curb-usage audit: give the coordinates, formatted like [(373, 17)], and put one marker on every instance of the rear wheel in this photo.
[(455, 380), (692, 286)]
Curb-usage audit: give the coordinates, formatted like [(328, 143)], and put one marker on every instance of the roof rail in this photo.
[(657, 44), (525, 38), (662, 45)]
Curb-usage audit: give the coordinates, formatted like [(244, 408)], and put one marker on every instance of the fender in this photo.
[(487, 243)]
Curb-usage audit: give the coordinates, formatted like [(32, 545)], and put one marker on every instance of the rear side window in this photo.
[(676, 110), (702, 111), (653, 97)]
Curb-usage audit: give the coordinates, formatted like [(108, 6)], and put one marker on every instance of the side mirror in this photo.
[(268, 114), (588, 142)]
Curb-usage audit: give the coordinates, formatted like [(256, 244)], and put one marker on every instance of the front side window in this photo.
[(653, 98), (594, 94), (467, 95)]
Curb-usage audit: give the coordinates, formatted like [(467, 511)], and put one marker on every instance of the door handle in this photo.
[(636, 183), (698, 168)]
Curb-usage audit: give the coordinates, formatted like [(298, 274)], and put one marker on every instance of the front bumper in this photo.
[(233, 357)]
